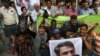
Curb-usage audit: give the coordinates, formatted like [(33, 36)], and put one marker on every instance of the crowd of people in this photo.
[(26, 39)]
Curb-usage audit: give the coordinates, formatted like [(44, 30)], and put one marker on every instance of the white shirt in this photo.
[(98, 11), (48, 10), (10, 15), (35, 14)]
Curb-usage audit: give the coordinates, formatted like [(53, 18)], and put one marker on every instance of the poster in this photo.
[(77, 42)]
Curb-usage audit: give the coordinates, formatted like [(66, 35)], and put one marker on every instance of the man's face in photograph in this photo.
[(67, 51)]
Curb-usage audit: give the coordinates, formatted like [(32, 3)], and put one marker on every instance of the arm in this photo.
[(87, 44), (91, 29), (16, 16)]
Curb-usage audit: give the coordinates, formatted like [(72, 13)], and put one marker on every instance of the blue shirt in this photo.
[(88, 11)]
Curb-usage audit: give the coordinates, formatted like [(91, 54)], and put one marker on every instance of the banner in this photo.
[(88, 19), (77, 42)]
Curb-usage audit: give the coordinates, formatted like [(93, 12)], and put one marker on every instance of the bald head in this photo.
[(36, 6)]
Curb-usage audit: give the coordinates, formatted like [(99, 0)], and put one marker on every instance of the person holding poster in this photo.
[(88, 40)]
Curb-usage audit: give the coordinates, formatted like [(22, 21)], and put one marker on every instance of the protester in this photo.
[(56, 34), (85, 9), (96, 8), (10, 21), (71, 11), (73, 24), (48, 7), (68, 34), (36, 12), (52, 27), (25, 22), (40, 40), (57, 10), (84, 33)]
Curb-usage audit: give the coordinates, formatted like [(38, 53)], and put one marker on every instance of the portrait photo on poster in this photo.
[(66, 47)]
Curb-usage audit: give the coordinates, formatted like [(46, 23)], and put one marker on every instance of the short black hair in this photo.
[(53, 21), (42, 27), (84, 25), (58, 1), (6, 2), (73, 17), (23, 8), (72, 2), (69, 30), (67, 43), (48, 1), (11, 2), (84, 1)]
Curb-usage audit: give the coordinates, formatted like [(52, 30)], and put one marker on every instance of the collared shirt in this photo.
[(96, 11), (70, 12), (88, 11), (10, 15), (48, 10), (35, 14), (56, 11)]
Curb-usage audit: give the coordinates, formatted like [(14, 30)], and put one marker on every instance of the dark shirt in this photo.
[(22, 25), (69, 26)]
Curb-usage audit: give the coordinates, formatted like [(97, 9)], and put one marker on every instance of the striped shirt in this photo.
[(97, 45)]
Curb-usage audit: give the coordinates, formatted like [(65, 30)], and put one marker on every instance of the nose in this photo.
[(70, 54)]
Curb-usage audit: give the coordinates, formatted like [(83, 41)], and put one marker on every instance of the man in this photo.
[(89, 46), (36, 12), (86, 10), (96, 8), (65, 49), (40, 40), (10, 21), (73, 24), (71, 11), (57, 10), (48, 7)]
